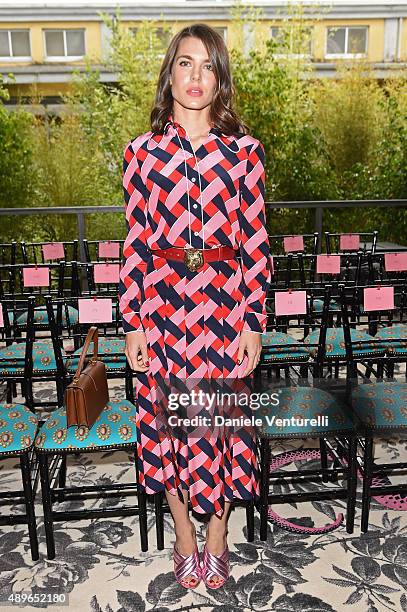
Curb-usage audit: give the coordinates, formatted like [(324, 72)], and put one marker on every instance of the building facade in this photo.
[(42, 42)]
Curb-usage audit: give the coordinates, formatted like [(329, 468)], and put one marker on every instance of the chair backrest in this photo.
[(301, 243), (386, 303), (71, 317), (388, 266), (11, 310), (102, 250), (55, 278), (8, 252), (354, 241), (102, 277), (44, 252), (288, 305)]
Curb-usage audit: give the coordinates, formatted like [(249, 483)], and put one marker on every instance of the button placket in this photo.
[(195, 206)]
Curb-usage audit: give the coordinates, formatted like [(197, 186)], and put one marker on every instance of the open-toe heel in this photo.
[(187, 566), (215, 565)]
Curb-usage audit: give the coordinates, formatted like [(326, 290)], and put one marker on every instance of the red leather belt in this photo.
[(195, 258)]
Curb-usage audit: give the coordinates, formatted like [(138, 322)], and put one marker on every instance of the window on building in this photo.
[(164, 36), (295, 41), (346, 41), (64, 43), (15, 44), (223, 31)]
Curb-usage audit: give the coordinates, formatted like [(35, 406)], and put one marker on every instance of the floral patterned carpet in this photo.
[(99, 566)]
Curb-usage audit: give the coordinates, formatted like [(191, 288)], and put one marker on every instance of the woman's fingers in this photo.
[(253, 360), (136, 351), (144, 354), (136, 362)]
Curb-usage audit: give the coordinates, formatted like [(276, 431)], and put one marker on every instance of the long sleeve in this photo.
[(135, 250), (254, 246)]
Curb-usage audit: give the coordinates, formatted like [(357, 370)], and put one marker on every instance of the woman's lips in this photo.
[(195, 92)]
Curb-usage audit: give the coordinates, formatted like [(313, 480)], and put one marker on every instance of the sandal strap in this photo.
[(215, 565), (186, 566)]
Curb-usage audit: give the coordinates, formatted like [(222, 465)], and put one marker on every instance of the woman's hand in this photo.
[(136, 351), (251, 343)]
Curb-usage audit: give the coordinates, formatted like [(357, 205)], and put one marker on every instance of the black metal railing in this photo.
[(318, 205)]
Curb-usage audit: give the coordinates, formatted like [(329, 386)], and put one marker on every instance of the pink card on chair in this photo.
[(53, 250), (290, 302), (328, 264), (378, 298), (395, 262), (106, 272), (1, 316), (349, 242), (293, 243), (109, 249), (36, 277), (95, 310)]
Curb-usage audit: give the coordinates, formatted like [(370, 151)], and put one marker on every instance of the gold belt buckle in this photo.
[(193, 259)]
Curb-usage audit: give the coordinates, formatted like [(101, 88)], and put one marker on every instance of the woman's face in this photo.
[(193, 80)]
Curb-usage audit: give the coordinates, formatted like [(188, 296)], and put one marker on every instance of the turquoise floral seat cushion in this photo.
[(18, 426), (381, 405), (281, 351), (317, 305), (115, 426), (304, 412), (397, 332), (110, 351), (335, 343), (41, 315), (12, 358)]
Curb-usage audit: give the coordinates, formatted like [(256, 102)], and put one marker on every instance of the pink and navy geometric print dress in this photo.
[(192, 320)]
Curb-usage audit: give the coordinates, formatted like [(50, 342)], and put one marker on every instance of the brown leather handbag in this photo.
[(88, 393)]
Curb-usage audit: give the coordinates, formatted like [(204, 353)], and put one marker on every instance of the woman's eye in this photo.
[(209, 66), (183, 62)]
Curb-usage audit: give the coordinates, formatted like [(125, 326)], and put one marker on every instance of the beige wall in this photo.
[(93, 43), (92, 38)]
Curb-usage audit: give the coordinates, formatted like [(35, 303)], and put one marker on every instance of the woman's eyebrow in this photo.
[(191, 58)]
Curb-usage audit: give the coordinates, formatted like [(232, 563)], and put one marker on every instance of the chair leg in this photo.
[(25, 466), (9, 394), (62, 477), (264, 486), (351, 484), (367, 483), (142, 505), (324, 460), (250, 520), (159, 520), (47, 505)]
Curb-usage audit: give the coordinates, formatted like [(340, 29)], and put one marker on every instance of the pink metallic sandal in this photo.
[(187, 566), (215, 565)]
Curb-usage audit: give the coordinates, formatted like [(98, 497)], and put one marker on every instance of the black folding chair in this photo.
[(114, 430), (379, 402), (18, 423), (299, 396)]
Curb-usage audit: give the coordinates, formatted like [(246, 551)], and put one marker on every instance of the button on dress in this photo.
[(175, 196)]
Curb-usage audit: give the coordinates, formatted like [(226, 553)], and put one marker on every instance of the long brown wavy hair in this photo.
[(221, 113)]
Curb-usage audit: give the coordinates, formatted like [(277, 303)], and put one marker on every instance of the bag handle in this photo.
[(93, 335)]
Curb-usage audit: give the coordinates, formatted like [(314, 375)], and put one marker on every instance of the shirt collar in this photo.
[(173, 127), (181, 130)]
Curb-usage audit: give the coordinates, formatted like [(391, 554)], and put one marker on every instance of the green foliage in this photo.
[(342, 138), (16, 156)]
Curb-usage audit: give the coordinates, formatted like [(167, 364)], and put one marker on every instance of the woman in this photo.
[(194, 181)]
